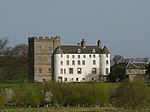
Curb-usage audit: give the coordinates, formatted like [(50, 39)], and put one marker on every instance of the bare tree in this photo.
[(3, 45), (118, 58), (93, 77), (20, 50)]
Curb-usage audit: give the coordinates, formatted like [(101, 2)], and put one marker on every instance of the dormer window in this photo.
[(93, 50), (79, 51)]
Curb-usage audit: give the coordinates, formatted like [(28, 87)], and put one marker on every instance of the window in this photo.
[(73, 56), (83, 79), (71, 79), (64, 71), (107, 62), (78, 56), (83, 62), (73, 62), (107, 71), (107, 55), (70, 70), (67, 62), (67, 56), (40, 49), (65, 79), (77, 79), (40, 59), (61, 62), (61, 55), (78, 62), (93, 50), (40, 71), (79, 50), (84, 56), (94, 56), (49, 49), (79, 70), (90, 56), (61, 71), (94, 70), (49, 70), (94, 62)]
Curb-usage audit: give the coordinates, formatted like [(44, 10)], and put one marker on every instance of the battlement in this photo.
[(46, 38)]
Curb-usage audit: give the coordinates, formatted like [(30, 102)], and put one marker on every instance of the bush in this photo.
[(133, 94), (2, 98)]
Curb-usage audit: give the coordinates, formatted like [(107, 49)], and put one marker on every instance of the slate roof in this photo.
[(105, 50), (130, 65), (73, 49)]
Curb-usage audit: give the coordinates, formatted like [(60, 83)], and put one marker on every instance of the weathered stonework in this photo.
[(40, 56)]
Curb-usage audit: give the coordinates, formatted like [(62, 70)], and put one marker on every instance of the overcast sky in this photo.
[(122, 25)]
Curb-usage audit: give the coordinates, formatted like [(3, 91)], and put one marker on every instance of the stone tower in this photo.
[(41, 58)]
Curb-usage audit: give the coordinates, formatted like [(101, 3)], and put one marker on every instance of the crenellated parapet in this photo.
[(46, 38)]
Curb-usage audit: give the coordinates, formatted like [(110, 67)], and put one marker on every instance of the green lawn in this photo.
[(72, 109)]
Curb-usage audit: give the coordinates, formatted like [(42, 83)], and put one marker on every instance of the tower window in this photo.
[(107, 71), (61, 71), (40, 59), (67, 56), (107, 55), (107, 62), (40, 71), (61, 62), (40, 49)]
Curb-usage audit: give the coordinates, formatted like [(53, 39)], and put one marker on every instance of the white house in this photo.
[(73, 62)]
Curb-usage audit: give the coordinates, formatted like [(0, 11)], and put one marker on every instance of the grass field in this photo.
[(73, 109)]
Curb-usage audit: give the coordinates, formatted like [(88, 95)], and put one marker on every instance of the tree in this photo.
[(93, 77), (20, 51), (118, 58), (146, 59), (3, 45), (118, 73), (133, 94)]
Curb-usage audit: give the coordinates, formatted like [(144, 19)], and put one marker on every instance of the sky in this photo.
[(122, 25)]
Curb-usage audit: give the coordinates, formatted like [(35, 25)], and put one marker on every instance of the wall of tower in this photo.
[(40, 55), (105, 64)]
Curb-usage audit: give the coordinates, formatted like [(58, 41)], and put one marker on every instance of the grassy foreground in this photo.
[(73, 109)]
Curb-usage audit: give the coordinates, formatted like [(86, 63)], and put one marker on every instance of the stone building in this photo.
[(41, 57), (50, 61)]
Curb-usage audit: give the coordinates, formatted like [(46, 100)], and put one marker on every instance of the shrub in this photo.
[(131, 95)]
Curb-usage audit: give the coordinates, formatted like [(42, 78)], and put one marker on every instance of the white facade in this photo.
[(74, 67)]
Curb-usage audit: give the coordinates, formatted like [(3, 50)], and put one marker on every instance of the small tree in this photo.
[(131, 95), (93, 77)]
